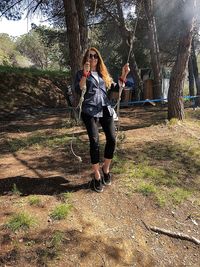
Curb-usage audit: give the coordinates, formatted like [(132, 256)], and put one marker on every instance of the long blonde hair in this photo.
[(101, 67)]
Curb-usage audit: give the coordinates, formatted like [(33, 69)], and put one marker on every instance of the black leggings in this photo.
[(108, 127)]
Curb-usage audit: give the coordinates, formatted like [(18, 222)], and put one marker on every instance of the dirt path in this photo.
[(103, 229)]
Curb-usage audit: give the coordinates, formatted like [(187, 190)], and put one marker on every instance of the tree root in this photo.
[(173, 234)]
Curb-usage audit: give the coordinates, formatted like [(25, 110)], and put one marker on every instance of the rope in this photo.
[(129, 53), (134, 31), (72, 150), (121, 86), (81, 101), (83, 91)]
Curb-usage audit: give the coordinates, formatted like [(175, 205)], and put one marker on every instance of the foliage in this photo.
[(56, 42), (44, 47), (107, 35), (9, 56), (169, 19), (11, 9), (30, 46)]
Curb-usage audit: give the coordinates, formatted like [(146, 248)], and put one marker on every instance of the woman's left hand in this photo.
[(125, 70)]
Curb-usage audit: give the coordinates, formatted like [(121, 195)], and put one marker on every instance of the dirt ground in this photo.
[(103, 229)]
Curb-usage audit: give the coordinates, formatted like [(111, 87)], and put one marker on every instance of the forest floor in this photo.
[(50, 217)]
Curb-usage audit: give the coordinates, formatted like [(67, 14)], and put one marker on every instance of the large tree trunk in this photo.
[(196, 72), (83, 30), (154, 47), (75, 34), (190, 76), (126, 39), (175, 94), (72, 23)]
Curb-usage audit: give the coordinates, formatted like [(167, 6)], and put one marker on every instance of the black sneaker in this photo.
[(106, 179), (97, 185)]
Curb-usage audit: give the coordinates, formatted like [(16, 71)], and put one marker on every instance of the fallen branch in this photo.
[(173, 234)]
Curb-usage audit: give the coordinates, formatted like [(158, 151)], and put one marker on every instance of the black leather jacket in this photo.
[(96, 95)]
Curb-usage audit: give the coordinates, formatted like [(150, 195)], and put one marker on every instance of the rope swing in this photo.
[(79, 106), (121, 85)]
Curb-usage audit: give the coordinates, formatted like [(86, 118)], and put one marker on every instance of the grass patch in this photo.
[(15, 190), (179, 195), (34, 201), (157, 175), (193, 116), (61, 211), (161, 198), (146, 189), (39, 141), (52, 250), (119, 164), (57, 239), (145, 171), (159, 167), (174, 122), (35, 72), (21, 221), (64, 197)]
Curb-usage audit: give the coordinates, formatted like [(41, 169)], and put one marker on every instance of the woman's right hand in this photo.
[(86, 67), (86, 70)]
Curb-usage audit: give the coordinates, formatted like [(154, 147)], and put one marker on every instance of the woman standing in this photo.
[(96, 108)]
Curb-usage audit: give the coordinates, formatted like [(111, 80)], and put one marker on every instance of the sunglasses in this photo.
[(95, 56)]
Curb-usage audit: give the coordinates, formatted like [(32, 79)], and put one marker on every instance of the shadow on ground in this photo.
[(81, 249), (41, 186)]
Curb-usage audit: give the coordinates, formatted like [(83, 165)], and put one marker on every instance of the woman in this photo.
[(96, 108)]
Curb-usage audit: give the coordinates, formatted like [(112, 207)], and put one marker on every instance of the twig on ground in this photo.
[(173, 234)]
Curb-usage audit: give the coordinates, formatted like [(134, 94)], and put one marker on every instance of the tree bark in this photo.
[(191, 76), (80, 7), (175, 94), (196, 73), (72, 23), (154, 47)]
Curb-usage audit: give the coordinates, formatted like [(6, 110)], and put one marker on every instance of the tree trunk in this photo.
[(196, 72), (80, 6), (154, 47), (191, 76), (72, 23), (175, 94), (126, 39), (73, 35)]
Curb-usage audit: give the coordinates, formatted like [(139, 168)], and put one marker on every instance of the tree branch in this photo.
[(10, 7), (102, 6), (35, 8), (173, 234)]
